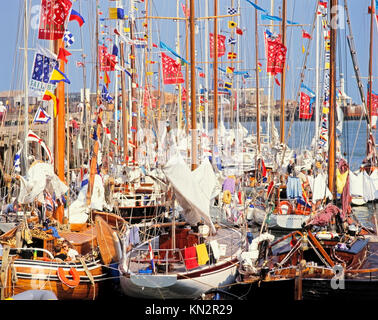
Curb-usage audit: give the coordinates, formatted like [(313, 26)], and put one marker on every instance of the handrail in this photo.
[(35, 249), (287, 236)]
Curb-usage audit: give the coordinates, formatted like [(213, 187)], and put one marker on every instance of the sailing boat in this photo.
[(330, 242), (27, 259), (190, 255)]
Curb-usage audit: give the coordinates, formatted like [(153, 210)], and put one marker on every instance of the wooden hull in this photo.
[(39, 274), (312, 289)]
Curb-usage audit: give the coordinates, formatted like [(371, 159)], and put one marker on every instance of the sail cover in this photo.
[(192, 189)]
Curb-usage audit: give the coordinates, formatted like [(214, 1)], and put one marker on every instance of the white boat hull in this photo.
[(190, 285), (280, 222)]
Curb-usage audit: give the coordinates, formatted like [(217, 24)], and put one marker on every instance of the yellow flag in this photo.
[(202, 254), (48, 96), (232, 24), (325, 110), (149, 73), (303, 49)]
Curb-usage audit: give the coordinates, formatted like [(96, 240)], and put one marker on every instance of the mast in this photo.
[(270, 118), (179, 104), (124, 109), (257, 85), (283, 76), (372, 16), (215, 68), (317, 115), (193, 86), (134, 109), (332, 99), (26, 89), (187, 71), (206, 68)]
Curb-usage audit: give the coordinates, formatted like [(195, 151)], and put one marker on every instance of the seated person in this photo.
[(11, 208), (58, 254), (69, 251)]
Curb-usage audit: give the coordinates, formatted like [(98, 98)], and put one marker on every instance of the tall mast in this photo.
[(26, 89), (317, 80), (193, 86), (215, 68), (257, 84), (179, 104), (270, 118), (134, 109), (206, 68), (332, 99), (283, 77), (372, 17), (187, 70), (125, 123)]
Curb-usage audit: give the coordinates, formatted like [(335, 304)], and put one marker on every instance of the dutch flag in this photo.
[(151, 256)]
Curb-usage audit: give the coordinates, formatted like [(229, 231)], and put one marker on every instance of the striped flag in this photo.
[(17, 161)]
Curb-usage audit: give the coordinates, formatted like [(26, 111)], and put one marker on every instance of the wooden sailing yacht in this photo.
[(330, 243), (191, 255), (28, 262)]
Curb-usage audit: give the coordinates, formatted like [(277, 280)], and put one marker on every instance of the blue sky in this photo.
[(300, 11)]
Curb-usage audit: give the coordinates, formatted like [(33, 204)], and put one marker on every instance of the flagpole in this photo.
[(26, 89), (372, 16), (179, 104), (116, 92)]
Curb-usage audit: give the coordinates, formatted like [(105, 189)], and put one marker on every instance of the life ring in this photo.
[(227, 197), (75, 277), (285, 207)]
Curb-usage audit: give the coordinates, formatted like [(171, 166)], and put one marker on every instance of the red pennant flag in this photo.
[(54, 14), (277, 82), (239, 31), (106, 80), (306, 35), (63, 54), (202, 75), (305, 112), (183, 95), (171, 70), (276, 55), (107, 60), (220, 43)]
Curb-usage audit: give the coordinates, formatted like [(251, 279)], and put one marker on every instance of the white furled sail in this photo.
[(192, 189)]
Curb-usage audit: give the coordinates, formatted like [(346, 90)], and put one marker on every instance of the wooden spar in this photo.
[(59, 130), (215, 68), (370, 97), (187, 73), (125, 122), (26, 97), (257, 85), (283, 76), (332, 109), (193, 86)]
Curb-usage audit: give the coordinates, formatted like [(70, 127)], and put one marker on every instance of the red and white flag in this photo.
[(171, 70), (33, 137), (220, 43), (374, 103), (107, 61), (276, 55), (54, 14), (305, 112)]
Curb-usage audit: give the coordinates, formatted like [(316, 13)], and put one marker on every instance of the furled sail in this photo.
[(193, 189)]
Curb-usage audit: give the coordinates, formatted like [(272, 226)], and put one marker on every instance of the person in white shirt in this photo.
[(69, 251), (3, 111)]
